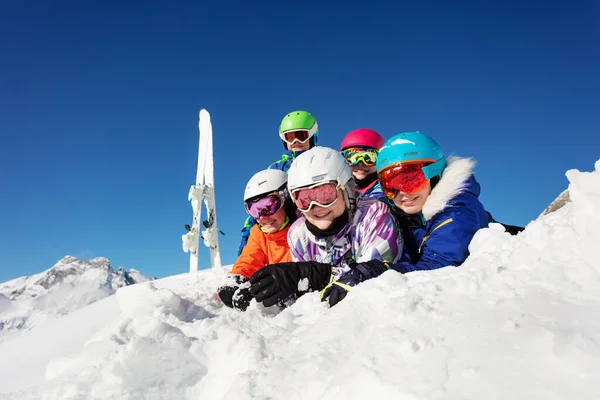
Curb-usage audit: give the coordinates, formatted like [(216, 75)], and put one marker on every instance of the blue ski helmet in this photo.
[(412, 147)]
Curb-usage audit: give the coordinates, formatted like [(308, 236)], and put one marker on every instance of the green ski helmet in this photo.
[(299, 121)]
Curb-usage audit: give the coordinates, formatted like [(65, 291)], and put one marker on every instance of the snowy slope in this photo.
[(23, 360), (519, 320), (67, 286)]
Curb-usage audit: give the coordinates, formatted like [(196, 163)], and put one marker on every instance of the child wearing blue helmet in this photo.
[(434, 199)]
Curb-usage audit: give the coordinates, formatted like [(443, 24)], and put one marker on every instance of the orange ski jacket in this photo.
[(262, 250)]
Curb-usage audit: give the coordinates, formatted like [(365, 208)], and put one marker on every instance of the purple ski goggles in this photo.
[(264, 206)]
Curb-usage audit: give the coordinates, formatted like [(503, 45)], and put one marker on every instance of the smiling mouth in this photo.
[(321, 215)]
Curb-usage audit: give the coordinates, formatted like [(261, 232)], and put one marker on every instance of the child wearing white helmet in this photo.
[(339, 232), (267, 201)]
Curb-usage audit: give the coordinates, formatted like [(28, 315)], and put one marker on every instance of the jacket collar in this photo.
[(294, 153), (279, 235), (452, 183)]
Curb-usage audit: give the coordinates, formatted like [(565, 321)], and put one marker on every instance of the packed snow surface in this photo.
[(520, 319)]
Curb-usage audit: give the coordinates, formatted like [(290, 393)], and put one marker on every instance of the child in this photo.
[(339, 230), (360, 148), (298, 132), (267, 201), (436, 201)]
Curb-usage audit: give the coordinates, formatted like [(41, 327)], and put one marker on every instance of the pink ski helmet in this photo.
[(362, 137)]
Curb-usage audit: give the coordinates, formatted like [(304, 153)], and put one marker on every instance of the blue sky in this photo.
[(99, 108)]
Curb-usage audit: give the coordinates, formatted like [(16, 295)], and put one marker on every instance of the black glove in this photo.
[(337, 290), (277, 282), (236, 294)]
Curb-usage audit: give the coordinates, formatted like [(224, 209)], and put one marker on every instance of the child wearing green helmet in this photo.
[(298, 132)]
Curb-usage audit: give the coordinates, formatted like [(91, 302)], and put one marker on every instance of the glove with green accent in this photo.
[(337, 290), (278, 282)]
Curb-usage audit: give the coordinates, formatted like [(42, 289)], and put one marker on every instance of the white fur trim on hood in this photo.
[(451, 184)]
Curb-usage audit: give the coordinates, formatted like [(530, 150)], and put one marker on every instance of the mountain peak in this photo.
[(68, 285)]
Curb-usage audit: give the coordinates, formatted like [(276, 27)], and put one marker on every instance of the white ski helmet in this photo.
[(265, 182), (321, 164)]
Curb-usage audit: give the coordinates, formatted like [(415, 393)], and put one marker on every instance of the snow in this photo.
[(303, 285), (137, 276), (519, 319), (4, 303), (24, 359), (67, 286)]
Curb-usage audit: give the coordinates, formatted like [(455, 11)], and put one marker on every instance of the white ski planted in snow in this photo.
[(203, 191)]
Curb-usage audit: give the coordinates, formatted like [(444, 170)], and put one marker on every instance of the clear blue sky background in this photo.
[(99, 104)]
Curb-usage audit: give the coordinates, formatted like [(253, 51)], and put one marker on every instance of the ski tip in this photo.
[(204, 114)]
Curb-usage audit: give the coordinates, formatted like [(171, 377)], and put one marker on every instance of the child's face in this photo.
[(412, 203), (322, 217), (361, 171), (272, 223)]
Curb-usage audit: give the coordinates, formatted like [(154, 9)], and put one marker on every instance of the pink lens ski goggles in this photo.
[(321, 194), (264, 206)]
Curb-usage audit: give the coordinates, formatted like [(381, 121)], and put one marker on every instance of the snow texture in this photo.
[(520, 319), (303, 285)]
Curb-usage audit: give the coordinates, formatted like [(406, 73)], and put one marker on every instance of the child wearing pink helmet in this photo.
[(360, 148)]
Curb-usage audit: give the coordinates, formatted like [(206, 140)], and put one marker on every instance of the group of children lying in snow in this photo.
[(326, 220)]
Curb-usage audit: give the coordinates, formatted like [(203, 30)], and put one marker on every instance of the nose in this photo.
[(263, 219)]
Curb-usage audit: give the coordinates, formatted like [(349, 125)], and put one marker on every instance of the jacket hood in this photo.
[(456, 179)]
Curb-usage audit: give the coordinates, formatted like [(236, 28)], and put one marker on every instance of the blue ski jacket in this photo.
[(373, 191), (440, 234), (283, 164)]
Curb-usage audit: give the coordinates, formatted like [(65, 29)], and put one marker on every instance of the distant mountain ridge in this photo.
[(67, 286)]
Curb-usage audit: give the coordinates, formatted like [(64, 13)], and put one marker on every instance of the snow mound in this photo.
[(69, 285), (520, 319)]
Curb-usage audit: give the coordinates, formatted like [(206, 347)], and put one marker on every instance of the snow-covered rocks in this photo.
[(67, 286)]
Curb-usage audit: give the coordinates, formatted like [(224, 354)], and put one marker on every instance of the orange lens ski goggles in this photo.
[(407, 178)]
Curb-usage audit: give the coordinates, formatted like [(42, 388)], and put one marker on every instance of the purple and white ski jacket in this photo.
[(371, 234)]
